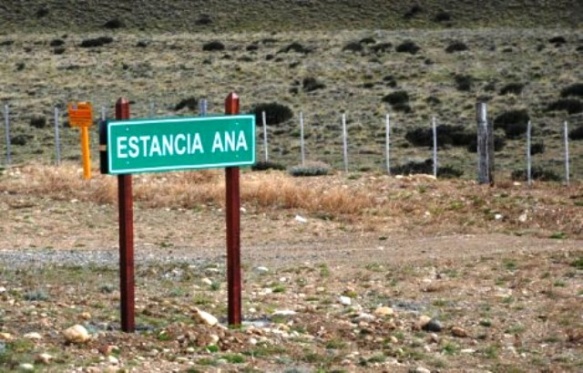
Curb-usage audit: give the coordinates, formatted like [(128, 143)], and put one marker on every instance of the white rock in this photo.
[(76, 334), (33, 335), (261, 269), (284, 313), (523, 217), (112, 360), (365, 317), (301, 219), (384, 311), (422, 370), (207, 281), (26, 367), (205, 317), (6, 336), (498, 216), (252, 341), (2, 289), (467, 351), (43, 358), (345, 300)]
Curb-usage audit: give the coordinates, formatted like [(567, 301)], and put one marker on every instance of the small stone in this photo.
[(252, 341), (467, 351), (433, 325), (384, 311), (434, 338), (457, 331), (6, 337), (112, 360), (365, 317), (207, 281), (85, 316), (2, 289), (422, 370), (345, 300), (393, 339), (301, 219), (261, 269), (26, 367), (43, 358), (205, 317), (76, 334), (523, 217), (33, 335), (284, 313)]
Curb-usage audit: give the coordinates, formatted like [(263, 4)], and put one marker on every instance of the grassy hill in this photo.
[(280, 15)]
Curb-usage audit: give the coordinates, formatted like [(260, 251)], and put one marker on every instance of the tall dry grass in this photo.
[(262, 191)]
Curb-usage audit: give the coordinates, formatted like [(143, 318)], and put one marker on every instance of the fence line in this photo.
[(566, 141), (10, 114), (388, 142), (7, 131), (57, 138)]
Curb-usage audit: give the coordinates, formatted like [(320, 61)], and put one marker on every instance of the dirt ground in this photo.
[(318, 295)]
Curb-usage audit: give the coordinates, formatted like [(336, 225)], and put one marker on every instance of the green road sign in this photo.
[(169, 144)]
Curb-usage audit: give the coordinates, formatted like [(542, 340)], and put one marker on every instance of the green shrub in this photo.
[(537, 173), (267, 165), (456, 46), (213, 46), (573, 90), (464, 83), (570, 105), (513, 122), (274, 113), (408, 47), (310, 84), (312, 168), (512, 88), (576, 133), (191, 103)]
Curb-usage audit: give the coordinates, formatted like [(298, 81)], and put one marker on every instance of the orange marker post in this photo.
[(81, 115)]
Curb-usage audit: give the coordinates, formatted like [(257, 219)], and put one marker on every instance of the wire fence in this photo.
[(384, 149)]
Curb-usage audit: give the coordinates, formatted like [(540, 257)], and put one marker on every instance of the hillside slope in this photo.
[(265, 15)]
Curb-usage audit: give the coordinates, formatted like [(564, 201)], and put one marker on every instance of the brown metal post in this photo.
[(126, 235), (233, 215)]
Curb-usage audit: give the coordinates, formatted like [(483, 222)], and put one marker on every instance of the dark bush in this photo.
[(464, 83), (353, 46), (191, 103), (442, 16), (390, 81), (204, 20), (538, 148), (397, 98), (38, 121), (367, 40), (432, 100), (142, 44), (576, 133), (42, 12), (499, 143), (57, 42), (6, 43), (59, 50), (96, 42), (413, 167), (413, 11), (381, 47), (570, 105), (20, 140), (449, 172), (573, 90), (408, 47), (213, 46), (557, 40), (252, 47), (512, 88), (274, 113), (114, 23), (515, 130), (295, 47), (446, 135), (267, 165), (537, 173), (511, 118), (312, 84), (456, 46)]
